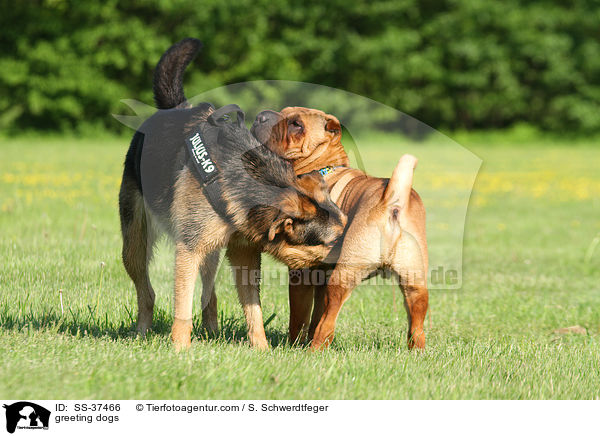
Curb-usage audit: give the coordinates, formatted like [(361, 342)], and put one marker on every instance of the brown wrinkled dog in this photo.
[(385, 230), (269, 208)]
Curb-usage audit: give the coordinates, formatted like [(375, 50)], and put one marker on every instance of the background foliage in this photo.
[(64, 65)]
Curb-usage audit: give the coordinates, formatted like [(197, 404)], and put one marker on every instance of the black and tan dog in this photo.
[(266, 207), (385, 231)]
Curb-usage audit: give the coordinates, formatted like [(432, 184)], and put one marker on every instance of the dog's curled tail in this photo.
[(397, 193), (168, 76)]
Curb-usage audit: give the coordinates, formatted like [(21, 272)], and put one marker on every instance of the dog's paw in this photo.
[(260, 344), (181, 334), (142, 330), (211, 328), (416, 340)]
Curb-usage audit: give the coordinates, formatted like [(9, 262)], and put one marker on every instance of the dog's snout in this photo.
[(267, 116), (263, 125)]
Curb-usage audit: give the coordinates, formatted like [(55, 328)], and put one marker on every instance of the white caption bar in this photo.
[(154, 417)]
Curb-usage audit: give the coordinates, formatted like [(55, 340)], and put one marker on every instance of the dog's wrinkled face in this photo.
[(314, 224), (296, 132)]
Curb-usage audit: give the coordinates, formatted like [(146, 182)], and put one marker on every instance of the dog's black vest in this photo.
[(199, 140)]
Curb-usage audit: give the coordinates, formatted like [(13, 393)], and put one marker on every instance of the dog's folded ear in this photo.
[(333, 126), (283, 223), (293, 207)]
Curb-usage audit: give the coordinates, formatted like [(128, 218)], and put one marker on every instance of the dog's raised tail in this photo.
[(397, 192), (168, 76)]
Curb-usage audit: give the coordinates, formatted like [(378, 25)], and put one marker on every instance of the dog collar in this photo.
[(329, 169)]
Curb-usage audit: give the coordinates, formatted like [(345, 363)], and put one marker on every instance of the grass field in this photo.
[(534, 214)]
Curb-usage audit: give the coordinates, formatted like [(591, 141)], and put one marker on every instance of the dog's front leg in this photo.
[(187, 263), (339, 287), (208, 272), (318, 309), (245, 263), (301, 301), (335, 296)]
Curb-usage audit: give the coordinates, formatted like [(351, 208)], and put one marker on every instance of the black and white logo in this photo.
[(26, 415), (200, 154)]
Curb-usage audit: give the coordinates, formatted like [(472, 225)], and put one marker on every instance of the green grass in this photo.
[(534, 213)]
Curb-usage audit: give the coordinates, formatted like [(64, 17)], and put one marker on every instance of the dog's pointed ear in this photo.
[(283, 223)]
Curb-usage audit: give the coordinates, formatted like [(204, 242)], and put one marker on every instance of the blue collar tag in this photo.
[(329, 169)]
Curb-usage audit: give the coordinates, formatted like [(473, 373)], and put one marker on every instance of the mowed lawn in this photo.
[(534, 214)]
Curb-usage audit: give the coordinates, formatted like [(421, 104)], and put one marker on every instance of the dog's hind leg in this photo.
[(209, 298), (245, 263), (138, 240), (416, 300), (410, 267)]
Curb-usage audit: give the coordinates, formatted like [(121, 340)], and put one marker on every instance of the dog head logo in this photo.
[(26, 415)]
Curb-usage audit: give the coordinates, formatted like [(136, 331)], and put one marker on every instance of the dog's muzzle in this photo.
[(263, 125)]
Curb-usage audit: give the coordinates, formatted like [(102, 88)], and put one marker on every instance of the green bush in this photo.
[(65, 64)]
